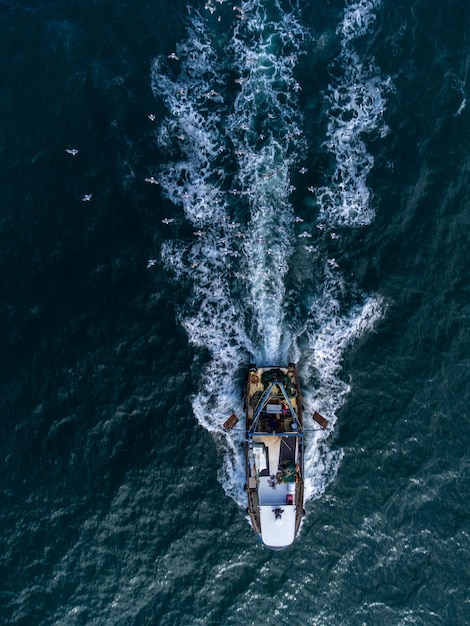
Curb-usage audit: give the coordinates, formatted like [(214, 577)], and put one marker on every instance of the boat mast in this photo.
[(264, 401)]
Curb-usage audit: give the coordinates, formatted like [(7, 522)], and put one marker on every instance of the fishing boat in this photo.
[(274, 453)]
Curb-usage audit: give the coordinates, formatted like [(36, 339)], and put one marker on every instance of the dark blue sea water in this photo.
[(312, 163)]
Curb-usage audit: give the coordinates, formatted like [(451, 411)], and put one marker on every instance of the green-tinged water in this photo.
[(312, 163)]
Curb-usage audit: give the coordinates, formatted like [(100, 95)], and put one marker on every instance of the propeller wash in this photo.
[(263, 286)]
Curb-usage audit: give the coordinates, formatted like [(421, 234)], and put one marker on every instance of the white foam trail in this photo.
[(356, 103), (330, 330), (265, 128), (194, 181), (192, 130), (236, 311)]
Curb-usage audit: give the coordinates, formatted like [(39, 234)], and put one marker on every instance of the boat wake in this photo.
[(263, 285)]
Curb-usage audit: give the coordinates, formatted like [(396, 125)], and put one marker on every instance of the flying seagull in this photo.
[(87, 197), (72, 151)]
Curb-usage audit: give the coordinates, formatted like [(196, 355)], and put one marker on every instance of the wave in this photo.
[(265, 127), (233, 136), (356, 104)]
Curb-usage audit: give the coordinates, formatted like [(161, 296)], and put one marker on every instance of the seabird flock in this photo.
[(73, 152), (173, 56)]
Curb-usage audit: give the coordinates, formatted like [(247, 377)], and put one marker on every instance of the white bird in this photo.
[(305, 234), (298, 219), (311, 189), (303, 170), (72, 151), (269, 174), (310, 248), (151, 117), (151, 180), (168, 220), (151, 263), (211, 94), (87, 197), (173, 56), (199, 233)]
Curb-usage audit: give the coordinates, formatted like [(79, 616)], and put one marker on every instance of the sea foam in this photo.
[(233, 137), (356, 103)]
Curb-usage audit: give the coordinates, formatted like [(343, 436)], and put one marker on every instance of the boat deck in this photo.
[(270, 493), (271, 452)]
